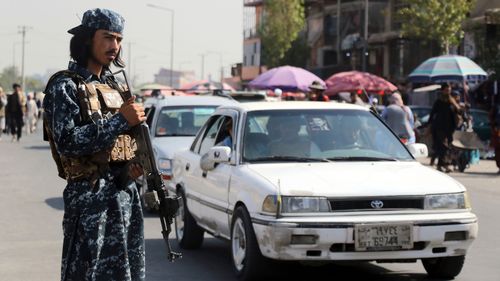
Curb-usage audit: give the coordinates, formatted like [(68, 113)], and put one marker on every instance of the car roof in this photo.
[(292, 105), (189, 100)]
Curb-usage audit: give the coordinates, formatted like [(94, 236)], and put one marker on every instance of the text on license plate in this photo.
[(380, 237)]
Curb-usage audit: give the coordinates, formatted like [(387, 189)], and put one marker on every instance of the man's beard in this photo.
[(95, 60)]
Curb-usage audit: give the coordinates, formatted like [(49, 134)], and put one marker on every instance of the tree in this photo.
[(282, 23), (298, 53), (439, 20), (9, 76)]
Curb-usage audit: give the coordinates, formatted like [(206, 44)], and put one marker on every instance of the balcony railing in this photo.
[(250, 33)]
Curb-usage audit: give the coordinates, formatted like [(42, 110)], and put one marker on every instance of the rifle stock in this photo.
[(157, 195)]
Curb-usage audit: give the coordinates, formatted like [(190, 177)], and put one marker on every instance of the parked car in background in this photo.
[(480, 121), (481, 124), (173, 122), (317, 182), (243, 96), (420, 112)]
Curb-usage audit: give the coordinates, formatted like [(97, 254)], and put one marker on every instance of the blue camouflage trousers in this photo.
[(103, 233)]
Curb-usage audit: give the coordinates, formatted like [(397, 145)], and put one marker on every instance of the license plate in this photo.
[(383, 237)]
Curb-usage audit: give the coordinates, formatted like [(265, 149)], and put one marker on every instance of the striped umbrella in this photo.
[(447, 68)]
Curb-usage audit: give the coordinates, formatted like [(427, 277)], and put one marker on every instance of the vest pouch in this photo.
[(110, 97)]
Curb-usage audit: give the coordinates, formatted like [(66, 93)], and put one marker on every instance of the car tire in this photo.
[(445, 268), (189, 234), (247, 260)]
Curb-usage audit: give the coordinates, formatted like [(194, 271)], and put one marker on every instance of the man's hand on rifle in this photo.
[(135, 171), (133, 112)]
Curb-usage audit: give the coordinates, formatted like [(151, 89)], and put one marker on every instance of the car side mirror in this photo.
[(418, 150), (216, 155)]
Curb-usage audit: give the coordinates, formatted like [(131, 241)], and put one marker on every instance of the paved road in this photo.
[(31, 235)]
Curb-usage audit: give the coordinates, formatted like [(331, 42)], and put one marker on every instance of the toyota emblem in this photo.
[(377, 204)]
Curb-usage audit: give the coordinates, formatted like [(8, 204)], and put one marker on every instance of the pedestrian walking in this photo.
[(442, 120), (398, 119), (103, 222), (15, 110), (3, 104), (31, 114), (317, 92)]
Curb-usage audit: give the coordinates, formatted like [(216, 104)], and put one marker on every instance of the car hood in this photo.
[(345, 179), (166, 147)]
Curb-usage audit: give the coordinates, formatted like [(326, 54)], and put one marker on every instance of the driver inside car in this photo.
[(291, 143)]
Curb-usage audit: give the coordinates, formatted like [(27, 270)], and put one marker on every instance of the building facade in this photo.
[(362, 35), (178, 77)]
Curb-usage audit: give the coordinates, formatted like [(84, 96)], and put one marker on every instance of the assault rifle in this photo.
[(157, 195)]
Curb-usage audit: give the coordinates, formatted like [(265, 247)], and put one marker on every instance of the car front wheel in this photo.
[(248, 262), (446, 268), (189, 233)]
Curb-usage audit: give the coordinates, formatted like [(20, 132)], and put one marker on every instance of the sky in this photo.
[(214, 28)]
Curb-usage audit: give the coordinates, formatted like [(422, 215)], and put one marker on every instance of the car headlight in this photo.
[(165, 166), (292, 204), (447, 201)]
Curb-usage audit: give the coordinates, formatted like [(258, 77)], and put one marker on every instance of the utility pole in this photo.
[(202, 66), (171, 39), (129, 44), (23, 30), (365, 45)]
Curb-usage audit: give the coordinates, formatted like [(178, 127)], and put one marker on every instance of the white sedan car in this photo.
[(173, 122), (310, 181)]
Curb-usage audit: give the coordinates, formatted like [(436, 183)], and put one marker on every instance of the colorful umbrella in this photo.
[(287, 78), (351, 81), (447, 68)]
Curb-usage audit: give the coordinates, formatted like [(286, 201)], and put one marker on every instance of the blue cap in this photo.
[(100, 19)]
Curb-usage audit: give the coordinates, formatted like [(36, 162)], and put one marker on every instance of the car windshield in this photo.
[(319, 135), (182, 120)]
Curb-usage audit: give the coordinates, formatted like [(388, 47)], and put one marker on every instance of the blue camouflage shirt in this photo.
[(71, 136), (102, 224)]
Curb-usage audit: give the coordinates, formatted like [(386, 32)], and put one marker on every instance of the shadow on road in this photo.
[(213, 262), (56, 203), (38, 147), (486, 174)]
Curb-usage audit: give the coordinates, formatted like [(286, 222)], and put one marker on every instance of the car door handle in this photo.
[(187, 166)]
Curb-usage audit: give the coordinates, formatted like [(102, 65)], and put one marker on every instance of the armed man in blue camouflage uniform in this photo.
[(86, 122)]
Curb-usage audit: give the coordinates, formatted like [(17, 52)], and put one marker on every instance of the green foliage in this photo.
[(298, 53), (10, 75), (282, 23), (439, 20)]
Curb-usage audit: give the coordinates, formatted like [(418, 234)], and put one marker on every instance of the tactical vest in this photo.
[(97, 101)]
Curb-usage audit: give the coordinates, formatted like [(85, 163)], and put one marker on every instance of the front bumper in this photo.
[(335, 236)]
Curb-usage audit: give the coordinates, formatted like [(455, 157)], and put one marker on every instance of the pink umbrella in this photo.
[(353, 81)]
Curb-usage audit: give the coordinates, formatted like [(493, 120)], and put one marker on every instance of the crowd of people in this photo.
[(449, 113), (18, 111)]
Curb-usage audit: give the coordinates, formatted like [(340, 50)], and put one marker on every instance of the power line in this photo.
[(22, 30)]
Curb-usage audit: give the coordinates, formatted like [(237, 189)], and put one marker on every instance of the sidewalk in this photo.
[(483, 168)]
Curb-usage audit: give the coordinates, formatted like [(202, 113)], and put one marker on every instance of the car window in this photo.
[(210, 135), (322, 134), (182, 120), (480, 118)]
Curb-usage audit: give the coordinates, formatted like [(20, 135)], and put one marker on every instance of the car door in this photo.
[(194, 183), (210, 188)]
